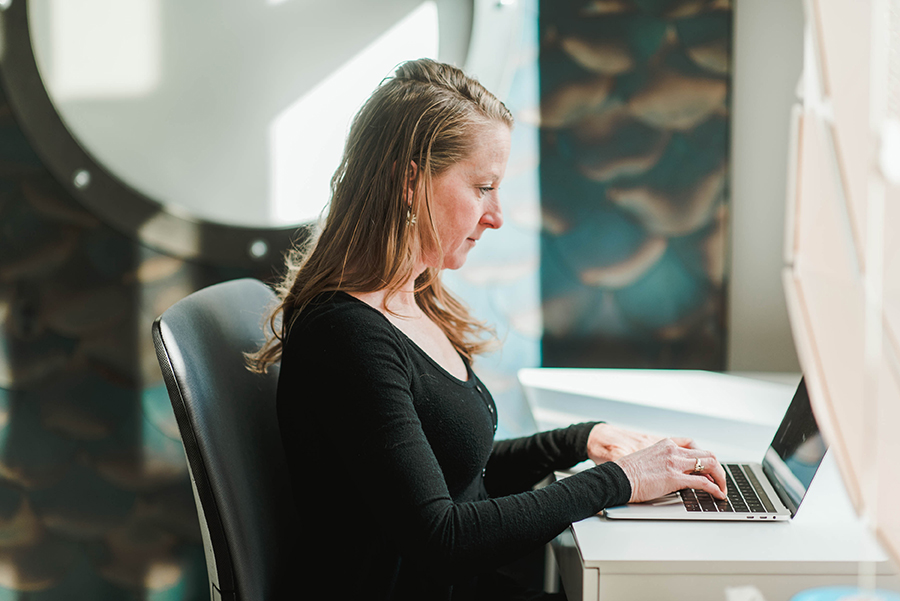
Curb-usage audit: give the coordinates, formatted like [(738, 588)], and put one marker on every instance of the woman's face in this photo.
[(464, 198)]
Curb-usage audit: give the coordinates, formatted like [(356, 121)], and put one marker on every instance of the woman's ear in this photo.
[(411, 179)]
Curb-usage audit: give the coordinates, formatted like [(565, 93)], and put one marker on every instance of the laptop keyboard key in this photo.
[(690, 500), (746, 486), (762, 497), (742, 496)]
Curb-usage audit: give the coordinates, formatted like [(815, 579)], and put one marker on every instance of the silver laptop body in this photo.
[(767, 491)]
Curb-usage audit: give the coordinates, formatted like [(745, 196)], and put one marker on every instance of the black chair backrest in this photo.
[(226, 415)]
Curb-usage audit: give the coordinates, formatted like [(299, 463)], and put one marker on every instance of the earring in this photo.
[(410, 217)]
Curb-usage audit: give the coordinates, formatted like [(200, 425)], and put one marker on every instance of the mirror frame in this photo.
[(165, 228)]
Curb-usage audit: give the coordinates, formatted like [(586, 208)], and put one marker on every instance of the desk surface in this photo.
[(734, 417)]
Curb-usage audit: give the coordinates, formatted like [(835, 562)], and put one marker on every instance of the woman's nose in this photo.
[(493, 217)]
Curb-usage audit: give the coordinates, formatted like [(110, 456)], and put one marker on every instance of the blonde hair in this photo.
[(427, 114)]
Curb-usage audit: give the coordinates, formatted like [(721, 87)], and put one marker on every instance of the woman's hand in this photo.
[(608, 443), (666, 467)]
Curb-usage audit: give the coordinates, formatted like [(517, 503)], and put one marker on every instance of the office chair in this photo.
[(226, 416)]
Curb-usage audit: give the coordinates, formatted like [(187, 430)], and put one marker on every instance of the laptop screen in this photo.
[(796, 451)]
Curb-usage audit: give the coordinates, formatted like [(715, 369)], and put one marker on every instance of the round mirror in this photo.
[(210, 129)]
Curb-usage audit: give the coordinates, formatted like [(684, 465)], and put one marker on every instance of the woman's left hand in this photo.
[(608, 443)]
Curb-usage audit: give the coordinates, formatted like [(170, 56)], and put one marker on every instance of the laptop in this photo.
[(770, 491)]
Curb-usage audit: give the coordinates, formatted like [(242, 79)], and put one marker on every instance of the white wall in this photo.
[(768, 57)]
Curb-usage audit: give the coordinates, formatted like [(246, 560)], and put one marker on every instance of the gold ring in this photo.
[(698, 466)]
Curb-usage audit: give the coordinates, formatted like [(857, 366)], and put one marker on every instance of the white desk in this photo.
[(735, 417)]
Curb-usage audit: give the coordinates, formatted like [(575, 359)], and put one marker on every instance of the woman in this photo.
[(388, 432)]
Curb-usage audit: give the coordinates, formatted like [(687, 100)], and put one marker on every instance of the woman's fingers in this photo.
[(666, 467), (687, 443), (702, 482), (705, 484), (607, 442), (711, 473)]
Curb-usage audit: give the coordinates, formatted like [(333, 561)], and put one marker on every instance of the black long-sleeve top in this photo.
[(403, 492)]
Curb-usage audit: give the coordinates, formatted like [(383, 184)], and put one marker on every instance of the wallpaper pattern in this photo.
[(634, 161)]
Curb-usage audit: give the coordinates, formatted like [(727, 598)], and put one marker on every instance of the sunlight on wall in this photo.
[(110, 62), (307, 138)]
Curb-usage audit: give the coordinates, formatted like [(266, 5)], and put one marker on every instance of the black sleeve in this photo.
[(381, 446), (518, 464)]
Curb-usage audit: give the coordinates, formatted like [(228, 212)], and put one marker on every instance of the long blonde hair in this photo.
[(427, 114)]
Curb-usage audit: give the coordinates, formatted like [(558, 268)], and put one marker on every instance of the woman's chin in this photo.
[(454, 262)]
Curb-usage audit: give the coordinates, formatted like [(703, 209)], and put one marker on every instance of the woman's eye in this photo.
[(485, 189)]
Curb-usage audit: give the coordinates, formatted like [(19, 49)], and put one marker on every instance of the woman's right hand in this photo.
[(665, 467)]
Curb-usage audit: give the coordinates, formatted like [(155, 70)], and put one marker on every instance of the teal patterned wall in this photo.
[(634, 160)]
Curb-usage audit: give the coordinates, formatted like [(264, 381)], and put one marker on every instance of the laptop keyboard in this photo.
[(745, 494)]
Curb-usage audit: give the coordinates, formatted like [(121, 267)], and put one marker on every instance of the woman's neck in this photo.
[(400, 302)]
